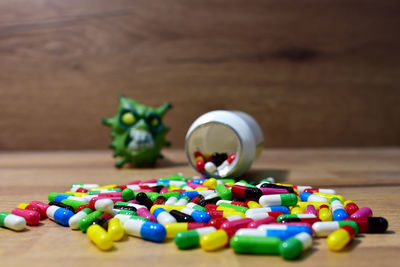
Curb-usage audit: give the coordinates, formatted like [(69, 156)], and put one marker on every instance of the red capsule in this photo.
[(209, 207), (200, 165), (42, 206), (31, 217), (231, 158), (247, 193), (371, 224), (197, 199), (195, 225), (256, 223), (159, 200), (164, 190), (34, 208), (239, 203), (350, 208), (122, 187), (81, 190), (197, 154), (81, 207), (231, 227)]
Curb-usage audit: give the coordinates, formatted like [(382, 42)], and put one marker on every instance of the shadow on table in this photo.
[(256, 175)]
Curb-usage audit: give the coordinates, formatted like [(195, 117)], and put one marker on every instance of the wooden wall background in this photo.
[(312, 72)]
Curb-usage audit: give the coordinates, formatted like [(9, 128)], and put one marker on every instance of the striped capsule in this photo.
[(247, 193), (340, 238), (115, 229), (191, 238), (73, 222), (214, 241), (146, 230), (163, 217), (235, 207), (31, 217), (310, 197), (11, 221), (371, 224), (292, 248), (224, 213), (174, 228), (323, 229), (338, 211), (100, 237), (242, 244), (278, 200), (59, 215)]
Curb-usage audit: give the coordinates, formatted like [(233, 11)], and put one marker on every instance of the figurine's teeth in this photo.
[(140, 138)]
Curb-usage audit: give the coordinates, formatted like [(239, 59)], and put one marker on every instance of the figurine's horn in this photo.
[(164, 108)]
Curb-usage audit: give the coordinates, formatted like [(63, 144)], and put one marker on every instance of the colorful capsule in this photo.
[(144, 200), (61, 205), (282, 232), (308, 218), (103, 220), (174, 228), (73, 203), (273, 191), (231, 227), (191, 238), (223, 192), (260, 213), (198, 215), (330, 196), (147, 230), (323, 229), (253, 205), (11, 221), (181, 217), (197, 199), (350, 207), (104, 204), (235, 207), (247, 193), (242, 244), (269, 185), (163, 217), (320, 190), (115, 229), (303, 205), (73, 222), (100, 237), (59, 215), (166, 207), (171, 200), (340, 238), (42, 206), (311, 210), (297, 210), (183, 201), (292, 248), (88, 220), (196, 207), (224, 213), (371, 224), (338, 211), (324, 214), (310, 197), (26, 206), (213, 241), (31, 217), (364, 212), (218, 221), (278, 200)]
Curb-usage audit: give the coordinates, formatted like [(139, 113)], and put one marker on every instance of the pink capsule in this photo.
[(133, 182), (133, 201), (110, 194), (31, 217), (146, 213), (364, 212), (42, 206), (231, 227), (164, 190), (257, 223), (273, 191), (310, 209)]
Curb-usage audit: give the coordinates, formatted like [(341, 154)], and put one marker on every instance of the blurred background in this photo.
[(313, 73)]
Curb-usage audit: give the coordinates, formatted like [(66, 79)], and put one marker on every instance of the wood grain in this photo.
[(370, 177), (313, 73)]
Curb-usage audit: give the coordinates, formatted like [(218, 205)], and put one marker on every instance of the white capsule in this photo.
[(323, 229), (182, 202), (163, 217), (205, 193), (74, 220), (133, 227), (171, 201), (210, 167), (104, 205), (122, 217), (250, 232), (13, 222)]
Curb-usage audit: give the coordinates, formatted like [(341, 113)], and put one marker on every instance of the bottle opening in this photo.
[(213, 149)]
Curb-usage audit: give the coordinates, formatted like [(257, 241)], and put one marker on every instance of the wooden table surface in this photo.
[(370, 177)]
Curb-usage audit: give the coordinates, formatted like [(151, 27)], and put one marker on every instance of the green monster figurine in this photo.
[(138, 133)]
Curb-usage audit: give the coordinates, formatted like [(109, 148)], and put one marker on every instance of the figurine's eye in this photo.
[(154, 122), (128, 118)]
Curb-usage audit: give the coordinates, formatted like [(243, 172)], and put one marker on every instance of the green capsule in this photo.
[(73, 203), (292, 248), (223, 192), (136, 217), (88, 220), (255, 244), (236, 207), (227, 180), (196, 207), (104, 191), (247, 184), (153, 196), (176, 177), (191, 238), (128, 194), (121, 203), (51, 196), (289, 200), (171, 194), (268, 180)]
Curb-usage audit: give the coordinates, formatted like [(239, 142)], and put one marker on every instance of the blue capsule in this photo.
[(147, 230), (189, 194), (59, 215), (198, 215)]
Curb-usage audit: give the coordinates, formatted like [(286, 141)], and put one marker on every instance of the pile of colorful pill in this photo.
[(216, 164), (267, 218)]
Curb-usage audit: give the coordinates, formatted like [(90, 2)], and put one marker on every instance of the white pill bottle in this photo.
[(234, 133)]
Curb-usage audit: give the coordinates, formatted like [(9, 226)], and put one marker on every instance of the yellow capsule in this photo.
[(201, 188), (206, 156), (228, 213), (103, 187), (174, 228), (115, 229), (225, 208), (99, 237), (296, 210), (76, 194), (22, 205), (173, 187), (214, 241), (303, 205), (212, 182), (253, 205), (230, 184), (338, 240), (329, 196), (325, 215), (167, 207)]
